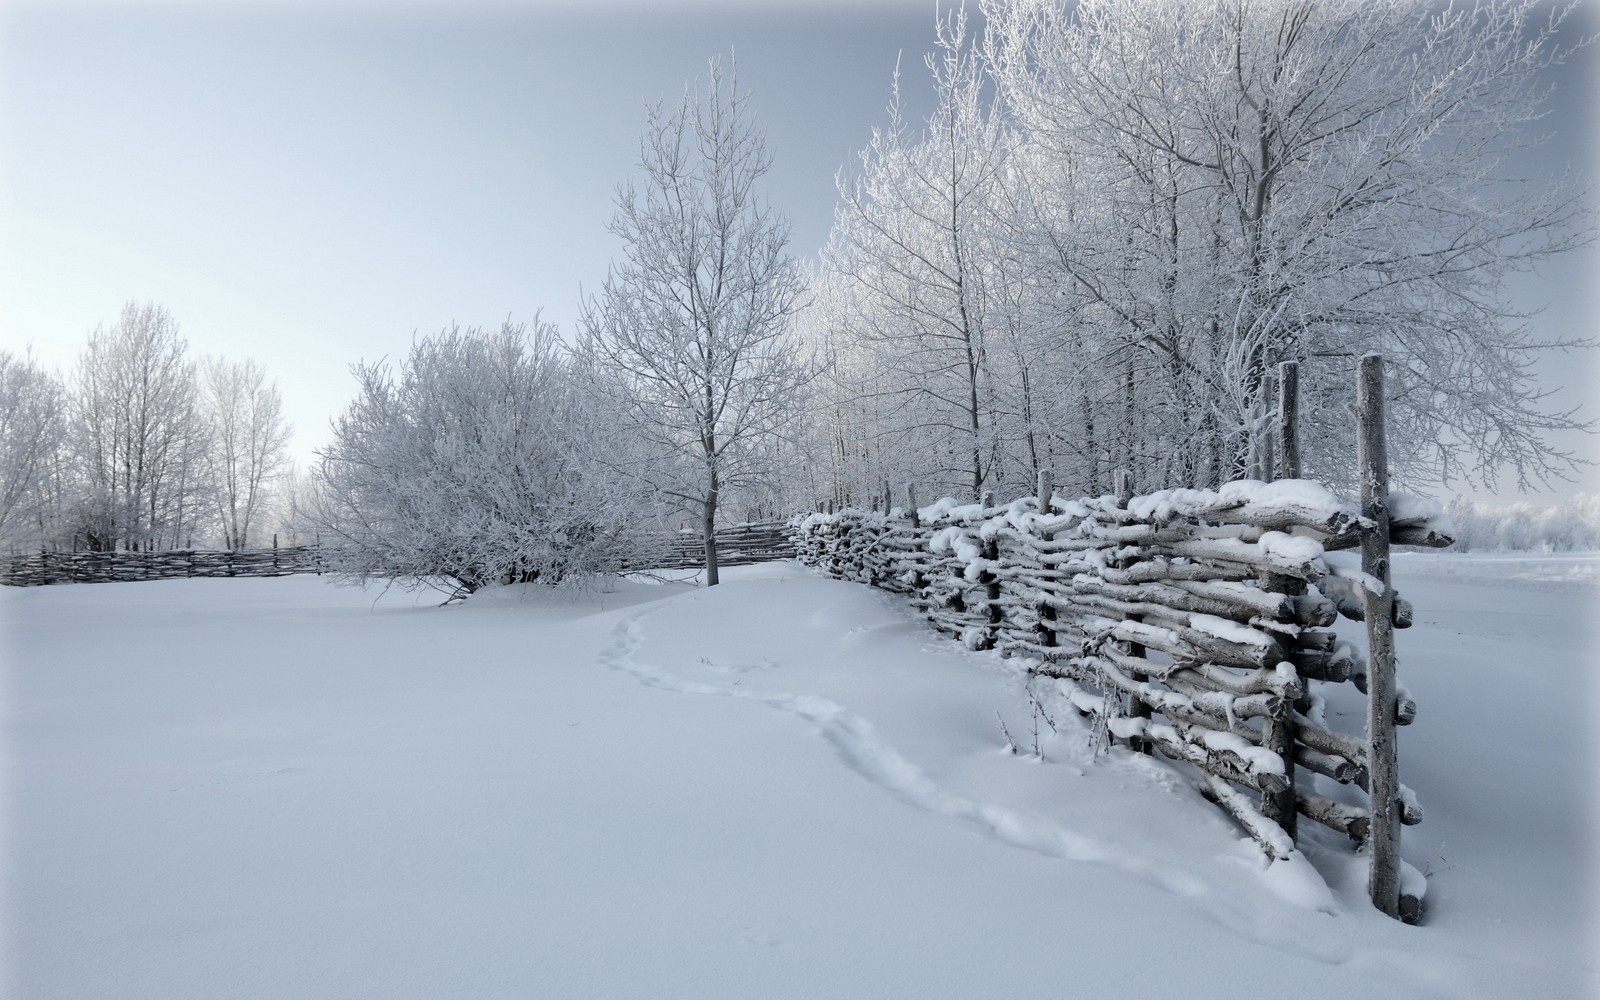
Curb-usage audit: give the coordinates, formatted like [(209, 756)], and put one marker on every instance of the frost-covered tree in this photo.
[(139, 439), (919, 273), (248, 438), (1293, 180), (32, 435), (693, 323), (478, 460)]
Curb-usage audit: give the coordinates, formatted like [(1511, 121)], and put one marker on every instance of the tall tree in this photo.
[(1314, 181), (910, 243), (137, 431), (694, 321), (249, 435), (32, 434)]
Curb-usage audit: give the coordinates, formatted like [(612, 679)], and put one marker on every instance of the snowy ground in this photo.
[(782, 787)]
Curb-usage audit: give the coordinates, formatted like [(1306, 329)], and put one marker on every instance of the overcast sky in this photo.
[(310, 184)]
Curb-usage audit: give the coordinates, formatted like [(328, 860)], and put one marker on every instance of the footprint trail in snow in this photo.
[(864, 751)]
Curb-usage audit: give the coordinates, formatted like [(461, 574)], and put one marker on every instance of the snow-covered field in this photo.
[(781, 787)]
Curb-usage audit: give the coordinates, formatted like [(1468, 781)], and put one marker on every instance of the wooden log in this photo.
[(1383, 882), (1186, 743), (1176, 573), (1343, 771), (1201, 646), (1239, 605), (1352, 821), (1335, 667), (1350, 600), (1219, 678), (1234, 552), (1330, 741), (1274, 842), (1116, 669)]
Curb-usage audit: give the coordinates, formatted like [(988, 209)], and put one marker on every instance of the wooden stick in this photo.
[(1383, 880), (1289, 419)]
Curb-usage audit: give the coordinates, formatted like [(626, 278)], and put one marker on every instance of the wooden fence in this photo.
[(1193, 623), (736, 545), (42, 568)]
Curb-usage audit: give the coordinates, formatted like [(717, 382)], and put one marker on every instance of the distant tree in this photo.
[(32, 435), (138, 436), (694, 322), (479, 461), (248, 438)]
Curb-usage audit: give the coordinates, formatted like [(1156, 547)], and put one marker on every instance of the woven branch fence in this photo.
[(1189, 623), (43, 568), (736, 545)]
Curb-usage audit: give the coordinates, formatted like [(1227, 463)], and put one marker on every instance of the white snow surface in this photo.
[(785, 786)]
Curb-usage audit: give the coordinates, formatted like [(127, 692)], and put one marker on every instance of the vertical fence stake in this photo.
[(1122, 482), (1045, 492), (1277, 731), (1289, 420), (1383, 880), (1269, 389)]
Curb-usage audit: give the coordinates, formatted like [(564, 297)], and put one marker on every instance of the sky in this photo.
[(312, 185)]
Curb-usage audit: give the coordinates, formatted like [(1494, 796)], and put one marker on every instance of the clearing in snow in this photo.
[(785, 786)]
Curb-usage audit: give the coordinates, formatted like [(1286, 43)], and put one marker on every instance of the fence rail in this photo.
[(737, 545), (44, 568)]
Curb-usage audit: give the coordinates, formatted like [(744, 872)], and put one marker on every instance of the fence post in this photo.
[(1289, 420), (1269, 389), (1383, 880), (1277, 731), (1122, 482), (1047, 612)]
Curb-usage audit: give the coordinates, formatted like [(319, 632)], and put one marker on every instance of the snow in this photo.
[(785, 786), (1229, 631)]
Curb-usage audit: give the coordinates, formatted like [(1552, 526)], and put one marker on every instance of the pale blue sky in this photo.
[(308, 184)]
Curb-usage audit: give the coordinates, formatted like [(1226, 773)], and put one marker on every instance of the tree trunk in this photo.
[(708, 530)]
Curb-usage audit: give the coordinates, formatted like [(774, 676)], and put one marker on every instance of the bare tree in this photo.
[(1291, 180), (137, 431), (911, 243), (32, 433), (249, 435), (694, 321)]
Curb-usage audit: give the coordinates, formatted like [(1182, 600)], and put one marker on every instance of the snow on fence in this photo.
[(1189, 622)]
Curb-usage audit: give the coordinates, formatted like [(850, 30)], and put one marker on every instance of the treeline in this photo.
[(139, 447), (1570, 526), (1121, 216), (1117, 222)]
